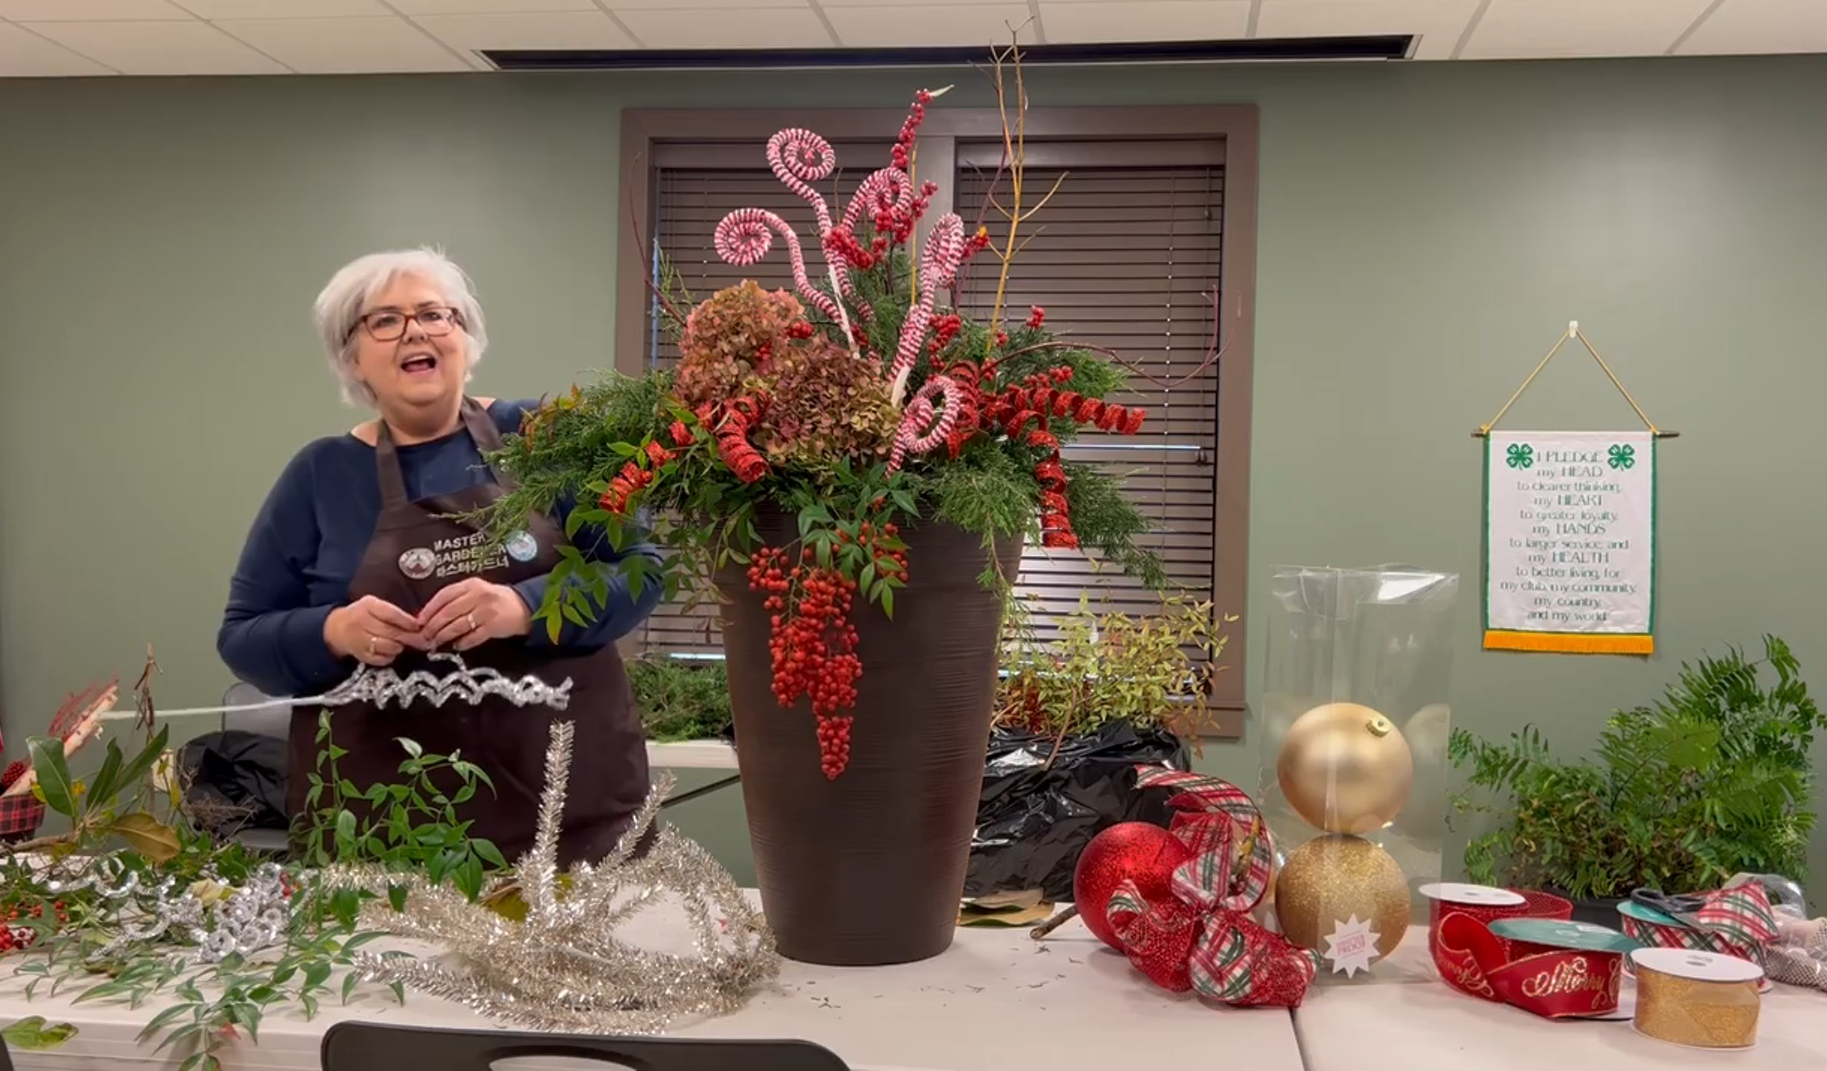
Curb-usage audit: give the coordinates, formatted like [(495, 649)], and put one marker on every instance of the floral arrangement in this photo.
[(802, 434)]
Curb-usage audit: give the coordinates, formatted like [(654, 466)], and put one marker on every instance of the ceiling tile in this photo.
[(488, 7), (938, 25), (159, 47), (24, 54), (1513, 29), (346, 46), (1752, 27), (735, 28), (1439, 23), (282, 9), (1145, 20), (88, 10), (556, 30)]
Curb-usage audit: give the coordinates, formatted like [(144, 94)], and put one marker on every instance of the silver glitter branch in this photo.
[(566, 967), (472, 686), (384, 686), (213, 920)]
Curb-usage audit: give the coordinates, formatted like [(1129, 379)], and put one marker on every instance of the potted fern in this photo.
[(1711, 780)]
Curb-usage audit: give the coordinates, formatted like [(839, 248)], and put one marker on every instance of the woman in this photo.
[(354, 558)]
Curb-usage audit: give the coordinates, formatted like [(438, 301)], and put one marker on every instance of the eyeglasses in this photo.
[(389, 325)]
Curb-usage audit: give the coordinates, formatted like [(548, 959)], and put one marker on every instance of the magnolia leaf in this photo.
[(33, 1033), (55, 786), (147, 835)]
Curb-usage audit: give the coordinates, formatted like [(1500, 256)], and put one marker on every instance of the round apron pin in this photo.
[(418, 563), (522, 547)]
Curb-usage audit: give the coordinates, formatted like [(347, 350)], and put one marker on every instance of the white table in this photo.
[(996, 1001), (1429, 1026)]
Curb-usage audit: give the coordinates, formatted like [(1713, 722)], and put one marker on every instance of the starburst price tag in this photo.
[(1351, 946)]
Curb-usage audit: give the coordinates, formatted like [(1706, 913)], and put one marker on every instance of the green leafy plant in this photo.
[(1710, 780), (409, 826), (1104, 668), (680, 699)]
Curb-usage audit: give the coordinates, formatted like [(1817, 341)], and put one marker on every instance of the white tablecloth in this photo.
[(996, 1001), (1428, 1026)]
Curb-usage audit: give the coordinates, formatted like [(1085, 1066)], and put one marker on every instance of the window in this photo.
[(1146, 246)]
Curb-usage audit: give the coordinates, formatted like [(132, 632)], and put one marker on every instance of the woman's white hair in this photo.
[(339, 307)]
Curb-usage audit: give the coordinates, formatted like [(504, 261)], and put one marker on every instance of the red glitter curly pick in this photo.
[(746, 235), (938, 268)]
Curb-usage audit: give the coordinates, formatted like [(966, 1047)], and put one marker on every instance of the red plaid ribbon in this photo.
[(1732, 922), (1204, 939), (20, 816)]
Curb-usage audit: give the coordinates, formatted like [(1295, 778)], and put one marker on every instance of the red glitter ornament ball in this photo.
[(1142, 853)]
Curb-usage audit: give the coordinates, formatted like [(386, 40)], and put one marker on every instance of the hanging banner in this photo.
[(1570, 541)]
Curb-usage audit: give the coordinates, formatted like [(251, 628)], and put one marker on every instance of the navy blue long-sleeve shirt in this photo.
[(311, 533)]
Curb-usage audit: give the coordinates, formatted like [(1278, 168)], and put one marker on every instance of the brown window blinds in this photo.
[(1125, 256)]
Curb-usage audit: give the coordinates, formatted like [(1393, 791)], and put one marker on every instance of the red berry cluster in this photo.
[(945, 328), (903, 145), (1036, 317), (800, 330), (813, 643), (841, 243), (15, 937)]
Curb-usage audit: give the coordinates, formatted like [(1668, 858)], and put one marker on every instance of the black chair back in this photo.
[(374, 1047)]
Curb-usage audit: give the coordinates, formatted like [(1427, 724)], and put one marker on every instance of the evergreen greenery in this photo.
[(1711, 780)]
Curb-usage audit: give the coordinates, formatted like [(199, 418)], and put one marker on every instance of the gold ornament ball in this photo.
[(1329, 879), (1345, 768)]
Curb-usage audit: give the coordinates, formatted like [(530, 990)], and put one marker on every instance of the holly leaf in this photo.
[(34, 1034)]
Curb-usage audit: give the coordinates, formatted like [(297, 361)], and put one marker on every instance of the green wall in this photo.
[(1426, 231)]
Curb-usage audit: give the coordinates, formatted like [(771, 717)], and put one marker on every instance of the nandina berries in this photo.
[(16, 937), (812, 643)]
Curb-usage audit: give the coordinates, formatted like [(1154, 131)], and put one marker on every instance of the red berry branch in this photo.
[(812, 633)]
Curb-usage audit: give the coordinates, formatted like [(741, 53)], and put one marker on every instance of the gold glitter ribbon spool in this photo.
[(1701, 1000)]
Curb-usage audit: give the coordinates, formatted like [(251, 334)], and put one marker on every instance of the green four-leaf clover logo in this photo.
[(1520, 456), (1623, 456)]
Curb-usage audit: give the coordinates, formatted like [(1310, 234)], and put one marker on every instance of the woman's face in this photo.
[(411, 348)]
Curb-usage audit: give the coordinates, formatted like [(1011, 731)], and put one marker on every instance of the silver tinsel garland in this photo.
[(567, 967)]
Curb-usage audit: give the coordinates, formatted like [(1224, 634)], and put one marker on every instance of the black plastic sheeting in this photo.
[(1033, 819), (241, 774)]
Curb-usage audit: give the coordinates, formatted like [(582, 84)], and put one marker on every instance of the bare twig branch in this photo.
[(1061, 181)]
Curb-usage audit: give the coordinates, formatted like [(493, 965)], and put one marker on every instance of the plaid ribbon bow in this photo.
[(1204, 939)]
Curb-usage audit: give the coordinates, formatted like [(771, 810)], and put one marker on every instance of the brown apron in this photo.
[(608, 779)]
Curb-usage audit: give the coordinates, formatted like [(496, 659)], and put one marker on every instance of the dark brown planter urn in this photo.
[(868, 869)]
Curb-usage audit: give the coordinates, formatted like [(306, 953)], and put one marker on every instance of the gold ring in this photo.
[(371, 645)]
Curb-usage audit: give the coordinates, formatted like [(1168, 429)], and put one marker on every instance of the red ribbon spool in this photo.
[(1457, 965), (1554, 983)]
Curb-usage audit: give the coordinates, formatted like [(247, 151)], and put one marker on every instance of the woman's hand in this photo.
[(372, 630), (471, 612)]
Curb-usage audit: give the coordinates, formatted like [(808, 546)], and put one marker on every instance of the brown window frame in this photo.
[(645, 132)]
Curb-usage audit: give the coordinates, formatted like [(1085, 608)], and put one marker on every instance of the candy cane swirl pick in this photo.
[(938, 268), (908, 439), (799, 158), (747, 234)]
